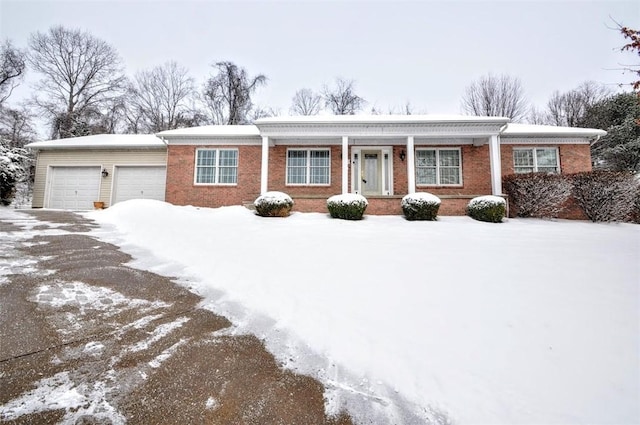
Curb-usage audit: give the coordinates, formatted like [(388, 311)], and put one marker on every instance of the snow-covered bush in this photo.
[(12, 170), (537, 194), (606, 195), (488, 208), (273, 204), (420, 206), (348, 206)]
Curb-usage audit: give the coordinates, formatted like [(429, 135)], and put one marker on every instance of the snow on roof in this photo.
[(379, 119), (521, 130), (213, 130), (101, 141)]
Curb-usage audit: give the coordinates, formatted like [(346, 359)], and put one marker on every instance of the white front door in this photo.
[(372, 171)]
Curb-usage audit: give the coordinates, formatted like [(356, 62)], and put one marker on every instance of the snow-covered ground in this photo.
[(524, 322)]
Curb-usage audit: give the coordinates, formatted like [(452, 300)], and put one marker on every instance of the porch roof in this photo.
[(380, 126), (378, 119)]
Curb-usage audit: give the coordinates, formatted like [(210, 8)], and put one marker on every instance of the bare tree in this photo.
[(159, 99), (568, 109), (81, 76), (12, 69), (405, 109), (496, 96), (227, 94), (537, 116), (306, 102), (342, 99), (16, 126), (262, 112)]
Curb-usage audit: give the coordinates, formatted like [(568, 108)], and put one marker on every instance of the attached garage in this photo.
[(139, 183), (73, 173), (73, 188)]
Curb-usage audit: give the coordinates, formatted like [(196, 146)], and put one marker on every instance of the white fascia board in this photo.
[(213, 141), (373, 130), (334, 120), (100, 141), (531, 130), (545, 140), (79, 147)]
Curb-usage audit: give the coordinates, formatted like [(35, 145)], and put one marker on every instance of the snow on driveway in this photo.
[(524, 322)]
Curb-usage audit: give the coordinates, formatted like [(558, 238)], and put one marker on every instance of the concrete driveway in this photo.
[(86, 339)]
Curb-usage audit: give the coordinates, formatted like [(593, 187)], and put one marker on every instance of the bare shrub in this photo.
[(540, 195), (606, 195)]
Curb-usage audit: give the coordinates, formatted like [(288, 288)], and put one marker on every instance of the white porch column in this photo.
[(496, 165), (345, 164), (411, 166), (264, 172)]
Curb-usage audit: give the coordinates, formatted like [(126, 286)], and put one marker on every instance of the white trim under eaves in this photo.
[(210, 141), (377, 130), (544, 140)]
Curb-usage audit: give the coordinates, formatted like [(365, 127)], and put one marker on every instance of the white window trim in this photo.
[(308, 167), (438, 184), (535, 157), (217, 167)]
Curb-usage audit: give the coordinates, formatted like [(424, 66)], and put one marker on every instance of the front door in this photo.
[(372, 171)]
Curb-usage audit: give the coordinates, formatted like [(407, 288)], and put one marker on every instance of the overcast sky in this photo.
[(423, 52)]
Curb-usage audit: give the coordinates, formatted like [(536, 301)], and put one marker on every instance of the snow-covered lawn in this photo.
[(524, 322)]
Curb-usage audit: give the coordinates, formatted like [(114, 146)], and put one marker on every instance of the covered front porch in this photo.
[(383, 159)]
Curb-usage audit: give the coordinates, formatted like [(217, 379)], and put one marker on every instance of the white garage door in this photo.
[(139, 183), (74, 188)]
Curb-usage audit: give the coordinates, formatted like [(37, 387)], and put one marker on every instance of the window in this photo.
[(440, 167), (308, 166), (531, 160), (216, 166)]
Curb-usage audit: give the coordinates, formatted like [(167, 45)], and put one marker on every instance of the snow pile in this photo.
[(529, 322)]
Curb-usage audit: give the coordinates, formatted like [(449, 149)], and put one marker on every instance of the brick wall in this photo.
[(278, 172), (573, 158), (181, 189), (476, 180), (476, 174)]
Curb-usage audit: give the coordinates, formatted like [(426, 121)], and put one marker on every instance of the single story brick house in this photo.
[(381, 157), (73, 173)]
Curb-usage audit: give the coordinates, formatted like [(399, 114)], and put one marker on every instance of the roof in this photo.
[(524, 130), (101, 141), (379, 119), (213, 131)]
